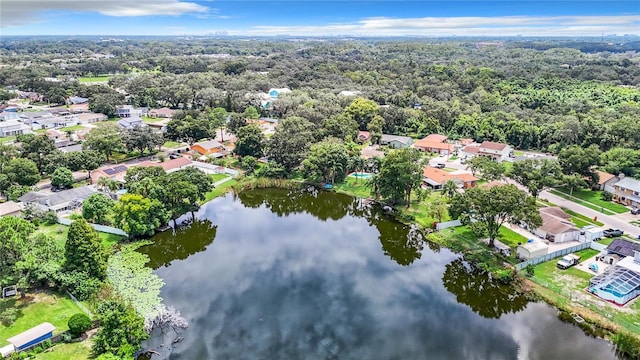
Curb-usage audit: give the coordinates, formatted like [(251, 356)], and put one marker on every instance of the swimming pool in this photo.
[(360, 175)]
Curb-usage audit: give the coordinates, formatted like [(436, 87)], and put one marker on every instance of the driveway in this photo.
[(609, 221)]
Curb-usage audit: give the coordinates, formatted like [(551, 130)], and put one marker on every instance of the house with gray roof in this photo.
[(13, 127), (131, 122), (57, 201), (627, 191), (396, 141)]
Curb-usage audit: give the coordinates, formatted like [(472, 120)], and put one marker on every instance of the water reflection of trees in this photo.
[(398, 241), (189, 238), (486, 296)]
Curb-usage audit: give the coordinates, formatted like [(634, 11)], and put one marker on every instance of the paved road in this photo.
[(609, 221)]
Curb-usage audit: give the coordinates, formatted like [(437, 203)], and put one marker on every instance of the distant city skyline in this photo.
[(319, 18)]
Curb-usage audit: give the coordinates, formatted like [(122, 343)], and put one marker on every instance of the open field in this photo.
[(35, 309)]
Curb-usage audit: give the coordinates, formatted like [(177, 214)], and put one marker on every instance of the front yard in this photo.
[(591, 199)]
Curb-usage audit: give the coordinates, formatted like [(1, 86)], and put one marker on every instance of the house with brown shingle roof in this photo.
[(606, 181), (556, 225), (436, 178), (435, 143), (497, 151)]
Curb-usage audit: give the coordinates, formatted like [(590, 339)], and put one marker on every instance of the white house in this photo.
[(396, 141), (13, 127), (131, 122), (125, 111), (497, 151), (556, 226)]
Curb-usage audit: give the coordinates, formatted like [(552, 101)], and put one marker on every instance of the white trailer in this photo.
[(590, 233)]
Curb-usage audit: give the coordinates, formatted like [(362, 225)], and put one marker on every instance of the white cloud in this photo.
[(482, 26), (20, 12)]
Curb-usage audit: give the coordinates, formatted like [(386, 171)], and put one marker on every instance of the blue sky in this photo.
[(305, 17)]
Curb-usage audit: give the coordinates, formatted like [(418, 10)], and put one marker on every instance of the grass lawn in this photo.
[(87, 79), (7, 139), (72, 128), (59, 233), (595, 198), (63, 351), (606, 240), (35, 309), (510, 237), (220, 190), (355, 187), (581, 220), (172, 144), (218, 177), (421, 211), (151, 120), (548, 275)]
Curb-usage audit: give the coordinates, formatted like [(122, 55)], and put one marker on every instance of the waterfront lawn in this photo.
[(64, 351), (35, 309), (220, 190), (548, 275), (594, 197), (59, 233), (218, 177), (355, 187)]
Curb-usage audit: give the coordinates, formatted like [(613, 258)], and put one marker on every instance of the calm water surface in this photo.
[(274, 274)]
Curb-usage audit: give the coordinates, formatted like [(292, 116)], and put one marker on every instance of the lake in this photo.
[(279, 274)]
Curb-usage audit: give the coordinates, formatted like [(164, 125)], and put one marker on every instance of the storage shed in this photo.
[(29, 338), (532, 250)]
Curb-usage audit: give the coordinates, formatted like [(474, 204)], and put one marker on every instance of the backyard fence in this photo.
[(216, 169), (448, 224), (100, 228), (553, 255)]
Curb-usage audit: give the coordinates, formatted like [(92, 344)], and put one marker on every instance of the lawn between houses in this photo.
[(591, 199)]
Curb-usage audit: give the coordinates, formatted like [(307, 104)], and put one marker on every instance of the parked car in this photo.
[(440, 165), (635, 211), (612, 232), (568, 261)]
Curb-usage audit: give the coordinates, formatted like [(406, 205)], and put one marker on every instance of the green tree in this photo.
[(290, 144), (621, 160), (490, 170), (438, 209), (236, 121), (62, 177), (328, 161), (400, 173), (249, 163), (250, 141), (105, 103), (121, 330), (574, 181), (106, 138), (536, 175), (57, 96), (14, 241), (189, 129), (362, 111), (142, 138), (375, 129), (340, 126), (78, 324), (139, 216), (579, 160), (97, 208), (36, 148), (449, 189), (41, 261), (83, 250), (491, 207), (22, 171), (251, 113)]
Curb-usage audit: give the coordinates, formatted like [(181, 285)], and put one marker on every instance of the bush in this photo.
[(80, 284), (9, 316), (78, 324), (607, 196), (627, 344), (530, 270)]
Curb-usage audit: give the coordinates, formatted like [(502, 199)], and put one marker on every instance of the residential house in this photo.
[(58, 201), (10, 208), (60, 111), (164, 112), (54, 122), (619, 283), (209, 148), (170, 165), (159, 125), (116, 173), (90, 118), (78, 100), (396, 141), (275, 92), (436, 178), (125, 111), (131, 122), (623, 247), (626, 191), (496, 151), (79, 108), (13, 127), (363, 136), (434, 143), (556, 225), (9, 115), (30, 116), (606, 181), (465, 141), (60, 138)]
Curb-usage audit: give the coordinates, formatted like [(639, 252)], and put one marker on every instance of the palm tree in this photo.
[(449, 189), (373, 184), (357, 164), (108, 185)]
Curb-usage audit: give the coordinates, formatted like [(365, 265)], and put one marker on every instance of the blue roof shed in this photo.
[(32, 337)]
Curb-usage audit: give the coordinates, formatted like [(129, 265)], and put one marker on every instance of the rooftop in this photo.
[(402, 139), (209, 144), (35, 332), (623, 247), (604, 177), (493, 145), (629, 183), (9, 207)]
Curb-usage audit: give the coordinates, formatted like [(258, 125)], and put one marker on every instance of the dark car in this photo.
[(612, 232), (635, 211)]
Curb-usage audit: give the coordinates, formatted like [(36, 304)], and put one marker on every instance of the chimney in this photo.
[(636, 256), (621, 176)]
